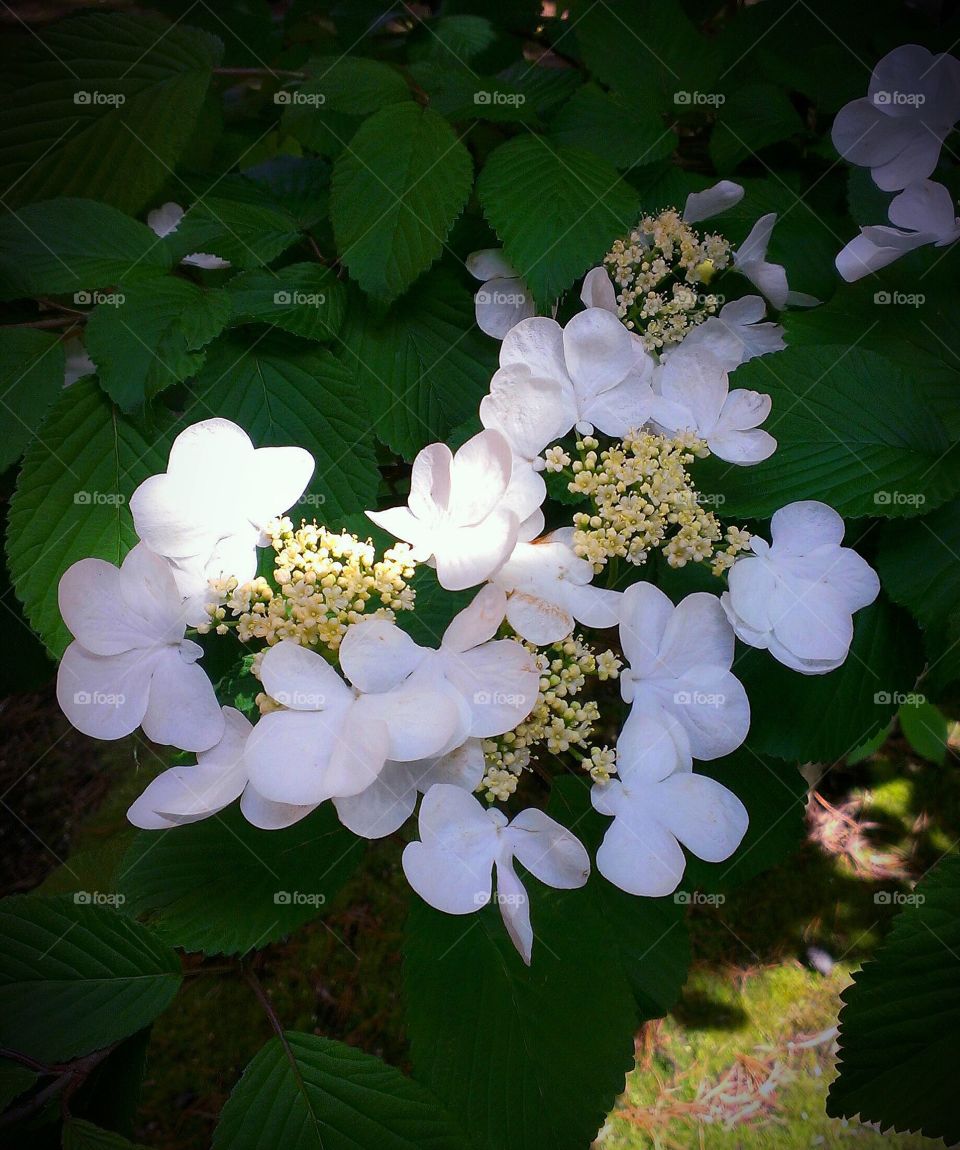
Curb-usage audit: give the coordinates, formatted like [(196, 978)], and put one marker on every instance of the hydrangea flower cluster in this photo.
[(897, 131), (355, 712)]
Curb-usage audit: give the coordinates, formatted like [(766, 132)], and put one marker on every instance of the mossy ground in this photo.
[(742, 1062)]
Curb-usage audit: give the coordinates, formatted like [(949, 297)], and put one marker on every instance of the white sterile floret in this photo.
[(165, 220), (206, 513), (657, 803), (711, 201), (924, 213), (898, 128), (332, 739), (129, 664), (796, 596), (503, 299), (455, 513), (547, 587), (750, 259), (462, 842), (692, 393), (736, 334), (591, 373), (679, 673)]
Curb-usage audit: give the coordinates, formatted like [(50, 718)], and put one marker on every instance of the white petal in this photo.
[(531, 411), (105, 696), (537, 620), (89, 599), (598, 351), (644, 613), (463, 767), (752, 583), (488, 264), (754, 247), (515, 909), (478, 622), (288, 753), (182, 708), (401, 523), (278, 476), (424, 716), (743, 410), (704, 815), (148, 590), (548, 850), (861, 256), (300, 678), (811, 620), (383, 807), (916, 161), (646, 751), (205, 260), (358, 755), (591, 606), (711, 201), (175, 516), (501, 304), (742, 447), (376, 655), (165, 219), (698, 383), (803, 526), (479, 475), (268, 815), (467, 556), (696, 633), (640, 856), (430, 483), (711, 706), (623, 408), (500, 682), (598, 290), (853, 579), (537, 344), (925, 206)]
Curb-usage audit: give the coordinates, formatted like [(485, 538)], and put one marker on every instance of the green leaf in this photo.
[(81, 1135), (353, 85), (305, 299), (224, 887), (925, 728), (237, 220), (152, 336), (423, 367), (31, 376), (71, 499), (456, 39), (619, 133), (754, 116), (462, 94), (556, 209), (101, 106), (283, 394), (74, 246), (851, 430), (824, 717), (529, 1057), (395, 196), (76, 977), (324, 1095), (15, 1079), (899, 1019)]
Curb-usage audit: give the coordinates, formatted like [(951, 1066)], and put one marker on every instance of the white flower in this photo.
[(750, 259), (796, 596), (462, 843), (503, 299), (736, 334), (389, 801), (333, 740), (656, 804), (77, 363), (206, 512), (897, 130), (455, 512), (711, 201), (591, 373), (165, 220), (548, 586), (692, 392), (679, 673), (924, 213), (129, 664)]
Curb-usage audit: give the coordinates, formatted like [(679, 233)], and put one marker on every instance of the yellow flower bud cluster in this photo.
[(645, 498), (559, 720), (324, 582), (657, 271)]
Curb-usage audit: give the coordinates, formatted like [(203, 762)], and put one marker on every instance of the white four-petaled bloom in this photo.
[(679, 674), (897, 130), (545, 586), (796, 596), (130, 665), (503, 299), (590, 373), (692, 393), (461, 844), (207, 511), (657, 803), (456, 513), (923, 213)]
